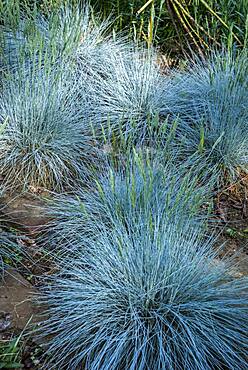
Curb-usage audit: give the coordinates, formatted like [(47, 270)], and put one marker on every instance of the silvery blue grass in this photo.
[(70, 34), (9, 249), (47, 140), (122, 196), (129, 92), (146, 300), (211, 101)]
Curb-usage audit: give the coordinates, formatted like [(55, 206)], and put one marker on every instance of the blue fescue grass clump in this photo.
[(120, 196), (125, 85), (211, 103), (47, 141), (129, 92), (146, 300), (70, 33)]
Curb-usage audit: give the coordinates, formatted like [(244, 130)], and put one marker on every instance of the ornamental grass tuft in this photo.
[(47, 141), (130, 92), (211, 104), (120, 197), (69, 33), (146, 300)]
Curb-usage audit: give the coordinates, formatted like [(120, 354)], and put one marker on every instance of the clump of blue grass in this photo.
[(146, 300), (129, 92), (157, 140), (211, 103), (47, 141), (120, 196), (69, 34)]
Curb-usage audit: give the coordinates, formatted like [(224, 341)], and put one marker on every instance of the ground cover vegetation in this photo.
[(147, 299), (144, 188), (213, 124), (127, 156), (10, 249)]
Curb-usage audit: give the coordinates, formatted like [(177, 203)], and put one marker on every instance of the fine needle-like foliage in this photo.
[(9, 249), (71, 33), (177, 26), (120, 197), (47, 141), (211, 103), (129, 92), (146, 300)]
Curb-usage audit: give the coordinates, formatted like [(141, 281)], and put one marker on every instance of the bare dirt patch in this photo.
[(231, 207), (17, 307)]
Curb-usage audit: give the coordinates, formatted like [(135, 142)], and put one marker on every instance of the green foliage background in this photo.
[(179, 25), (176, 26)]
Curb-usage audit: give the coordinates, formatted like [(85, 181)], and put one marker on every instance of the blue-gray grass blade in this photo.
[(146, 301)]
